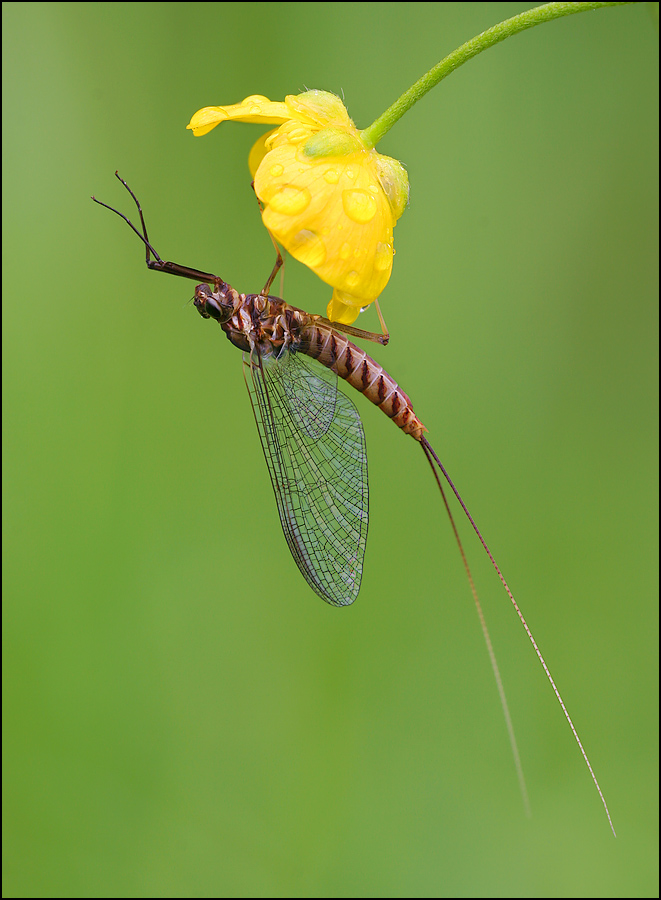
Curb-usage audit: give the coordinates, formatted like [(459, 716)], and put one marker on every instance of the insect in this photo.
[(313, 439)]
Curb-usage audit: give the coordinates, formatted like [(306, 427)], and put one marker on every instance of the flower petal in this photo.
[(255, 108), (318, 107), (332, 215), (259, 151), (395, 182), (340, 309), (327, 198)]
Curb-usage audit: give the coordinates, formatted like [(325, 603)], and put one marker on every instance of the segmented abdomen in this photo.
[(338, 353)]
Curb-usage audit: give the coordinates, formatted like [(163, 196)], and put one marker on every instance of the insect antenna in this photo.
[(144, 237), (158, 264), (433, 458)]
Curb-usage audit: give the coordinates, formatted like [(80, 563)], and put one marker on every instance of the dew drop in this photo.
[(352, 279), (359, 205), (290, 200), (382, 257), (308, 248), (331, 176), (345, 250), (276, 170)]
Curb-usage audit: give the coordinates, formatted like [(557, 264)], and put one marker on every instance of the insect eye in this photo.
[(205, 302)]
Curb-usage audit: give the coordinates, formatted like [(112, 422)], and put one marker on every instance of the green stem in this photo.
[(372, 135)]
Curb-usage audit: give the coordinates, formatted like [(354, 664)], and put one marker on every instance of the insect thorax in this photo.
[(265, 323)]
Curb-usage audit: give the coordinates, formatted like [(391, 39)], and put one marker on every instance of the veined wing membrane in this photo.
[(312, 405), (314, 446)]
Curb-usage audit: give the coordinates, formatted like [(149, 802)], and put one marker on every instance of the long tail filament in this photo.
[(431, 458)]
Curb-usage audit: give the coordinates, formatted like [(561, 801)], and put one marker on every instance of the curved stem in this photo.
[(546, 13)]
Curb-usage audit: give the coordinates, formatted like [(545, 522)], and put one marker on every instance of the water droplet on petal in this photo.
[(352, 279), (276, 170), (290, 200), (382, 257), (345, 250), (308, 248), (359, 205), (350, 173), (331, 176), (255, 98)]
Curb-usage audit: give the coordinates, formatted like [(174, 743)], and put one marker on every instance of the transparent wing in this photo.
[(311, 404), (314, 445)]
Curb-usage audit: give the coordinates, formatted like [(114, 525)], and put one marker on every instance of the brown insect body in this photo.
[(270, 326)]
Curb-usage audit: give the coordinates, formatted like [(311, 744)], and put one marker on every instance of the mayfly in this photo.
[(313, 438)]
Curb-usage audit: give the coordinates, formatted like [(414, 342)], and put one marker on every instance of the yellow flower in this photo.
[(327, 198)]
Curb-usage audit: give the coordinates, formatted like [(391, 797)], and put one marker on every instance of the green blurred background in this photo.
[(183, 716)]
